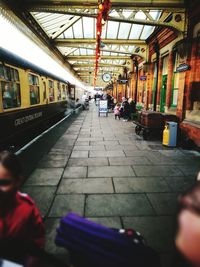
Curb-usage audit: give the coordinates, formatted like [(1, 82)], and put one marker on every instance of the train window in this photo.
[(7, 73), (51, 91), (44, 91), (16, 75), (10, 94), (34, 89), (58, 91), (64, 92), (1, 71)]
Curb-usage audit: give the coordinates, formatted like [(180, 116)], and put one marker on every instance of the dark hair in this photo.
[(10, 161)]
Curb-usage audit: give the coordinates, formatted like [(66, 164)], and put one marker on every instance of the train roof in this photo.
[(13, 59)]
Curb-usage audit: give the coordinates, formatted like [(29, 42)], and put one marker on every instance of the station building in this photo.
[(170, 73)]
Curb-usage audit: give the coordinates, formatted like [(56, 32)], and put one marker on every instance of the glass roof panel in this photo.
[(78, 30), (112, 29), (114, 13), (90, 52), (83, 51), (140, 15), (88, 26), (135, 31), (124, 30), (155, 14), (147, 31), (68, 33), (104, 31), (127, 13)]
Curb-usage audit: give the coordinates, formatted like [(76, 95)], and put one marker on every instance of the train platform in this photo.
[(101, 169)]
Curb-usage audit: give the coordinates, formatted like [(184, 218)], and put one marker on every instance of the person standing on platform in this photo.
[(117, 111), (126, 109), (20, 219)]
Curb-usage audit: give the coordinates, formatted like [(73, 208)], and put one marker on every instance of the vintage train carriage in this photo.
[(30, 98)]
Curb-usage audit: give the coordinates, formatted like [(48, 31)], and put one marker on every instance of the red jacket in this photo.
[(22, 221)]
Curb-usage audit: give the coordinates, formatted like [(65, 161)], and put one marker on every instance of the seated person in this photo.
[(19, 217)]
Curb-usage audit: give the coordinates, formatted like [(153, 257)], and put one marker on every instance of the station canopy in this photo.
[(70, 27)]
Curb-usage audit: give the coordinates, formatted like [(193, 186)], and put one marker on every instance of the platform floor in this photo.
[(100, 169)]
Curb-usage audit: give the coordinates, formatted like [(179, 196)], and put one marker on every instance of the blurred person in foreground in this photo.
[(19, 217), (188, 234)]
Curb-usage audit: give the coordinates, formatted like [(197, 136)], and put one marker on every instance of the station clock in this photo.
[(106, 77)]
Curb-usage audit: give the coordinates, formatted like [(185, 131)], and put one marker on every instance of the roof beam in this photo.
[(69, 42), (173, 24), (79, 58), (104, 50), (100, 65), (92, 4)]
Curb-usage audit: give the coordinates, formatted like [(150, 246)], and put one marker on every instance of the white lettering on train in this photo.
[(28, 118)]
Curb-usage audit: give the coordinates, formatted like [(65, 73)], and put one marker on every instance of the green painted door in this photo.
[(163, 93)]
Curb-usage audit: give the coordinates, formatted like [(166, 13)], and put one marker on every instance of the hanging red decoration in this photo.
[(102, 16)]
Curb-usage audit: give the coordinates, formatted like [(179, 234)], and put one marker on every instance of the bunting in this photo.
[(102, 16)]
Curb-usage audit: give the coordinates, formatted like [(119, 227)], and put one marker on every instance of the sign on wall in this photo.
[(183, 67), (143, 78)]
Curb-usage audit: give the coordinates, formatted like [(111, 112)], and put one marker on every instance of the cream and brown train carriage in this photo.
[(30, 97)]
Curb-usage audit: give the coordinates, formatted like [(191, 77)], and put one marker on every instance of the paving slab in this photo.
[(82, 143), (104, 143), (67, 203), (192, 169), (88, 162), (85, 186), (79, 154), (52, 164), (63, 151), (45, 176), (126, 142), (89, 148), (180, 184), (158, 231), (91, 139), (157, 171), (75, 172), (68, 136), (111, 222), (117, 205), (164, 203), (102, 154), (140, 185), (111, 171), (122, 147), (129, 161), (42, 195)]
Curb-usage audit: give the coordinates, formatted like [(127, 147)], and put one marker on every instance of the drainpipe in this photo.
[(157, 50)]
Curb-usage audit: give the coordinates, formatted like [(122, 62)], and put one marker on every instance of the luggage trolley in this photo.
[(151, 122)]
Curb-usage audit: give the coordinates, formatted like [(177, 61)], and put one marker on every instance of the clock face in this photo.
[(106, 77)]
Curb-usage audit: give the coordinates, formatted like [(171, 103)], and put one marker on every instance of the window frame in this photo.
[(14, 84), (53, 90), (37, 84)]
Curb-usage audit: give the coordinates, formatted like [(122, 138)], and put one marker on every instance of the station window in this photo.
[(175, 82), (10, 87), (51, 91), (34, 89), (58, 91)]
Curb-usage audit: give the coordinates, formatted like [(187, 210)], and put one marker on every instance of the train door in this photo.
[(164, 83)]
